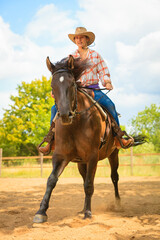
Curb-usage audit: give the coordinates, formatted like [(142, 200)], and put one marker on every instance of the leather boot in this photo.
[(124, 142), (47, 148), (50, 139), (119, 140)]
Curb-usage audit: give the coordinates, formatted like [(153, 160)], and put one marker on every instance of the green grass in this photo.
[(32, 169)]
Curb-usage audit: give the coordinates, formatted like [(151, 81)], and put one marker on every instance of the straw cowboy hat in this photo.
[(82, 31)]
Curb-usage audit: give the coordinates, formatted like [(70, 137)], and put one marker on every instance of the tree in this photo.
[(148, 123), (27, 121)]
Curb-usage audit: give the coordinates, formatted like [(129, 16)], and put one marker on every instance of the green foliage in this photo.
[(144, 148), (148, 122), (27, 121)]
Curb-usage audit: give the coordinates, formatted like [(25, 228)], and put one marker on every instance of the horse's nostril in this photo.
[(71, 115)]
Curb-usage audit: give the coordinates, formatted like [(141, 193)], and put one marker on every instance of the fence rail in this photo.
[(41, 159)]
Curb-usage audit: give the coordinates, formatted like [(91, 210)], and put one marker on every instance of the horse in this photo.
[(79, 129)]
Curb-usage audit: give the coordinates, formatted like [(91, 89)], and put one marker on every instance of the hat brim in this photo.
[(90, 35)]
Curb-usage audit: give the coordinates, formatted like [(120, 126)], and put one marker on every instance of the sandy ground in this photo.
[(137, 218)]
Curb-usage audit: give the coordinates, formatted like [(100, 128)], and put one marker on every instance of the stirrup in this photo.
[(41, 143), (129, 137), (49, 137), (50, 147)]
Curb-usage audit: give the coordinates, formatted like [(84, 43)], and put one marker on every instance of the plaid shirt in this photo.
[(98, 71)]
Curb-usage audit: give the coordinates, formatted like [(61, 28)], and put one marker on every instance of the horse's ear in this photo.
[(70, 62), (50, 66)]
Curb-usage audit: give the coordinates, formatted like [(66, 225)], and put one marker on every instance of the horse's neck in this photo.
[(92, 102), (83, 101)]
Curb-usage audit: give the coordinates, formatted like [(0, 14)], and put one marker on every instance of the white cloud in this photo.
[(120, 16), (127, 35), (128, 104), (140, 63), (22, 59), (51, 23), (147, 48), (5, 101)]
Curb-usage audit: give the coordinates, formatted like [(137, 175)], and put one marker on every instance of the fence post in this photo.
[(0, 160), (131, 161), (41, 161)]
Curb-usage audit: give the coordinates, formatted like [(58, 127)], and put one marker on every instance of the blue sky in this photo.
[(127, 36), (19, 12)]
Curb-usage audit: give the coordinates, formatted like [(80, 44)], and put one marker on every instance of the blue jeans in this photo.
[(53, 112), (105, 101)]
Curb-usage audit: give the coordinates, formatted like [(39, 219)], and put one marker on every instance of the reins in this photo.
[(94, 88), (95, 101)]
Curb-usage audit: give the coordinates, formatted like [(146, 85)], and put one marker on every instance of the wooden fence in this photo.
[(41, 158)]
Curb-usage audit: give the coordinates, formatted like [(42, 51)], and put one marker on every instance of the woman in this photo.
[(90, 79)]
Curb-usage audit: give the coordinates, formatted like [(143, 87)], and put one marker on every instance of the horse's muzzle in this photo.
[(66, 119)]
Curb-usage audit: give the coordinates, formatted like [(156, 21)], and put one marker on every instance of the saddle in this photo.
[(106, 116), (110, 121)]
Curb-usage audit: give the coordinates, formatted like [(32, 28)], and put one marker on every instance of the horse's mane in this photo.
[(79, 66)]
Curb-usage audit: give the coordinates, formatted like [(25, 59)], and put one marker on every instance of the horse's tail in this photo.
[(138, 139)]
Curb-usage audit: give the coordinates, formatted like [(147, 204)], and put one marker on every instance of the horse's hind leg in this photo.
[(58, 167), (114, 162)]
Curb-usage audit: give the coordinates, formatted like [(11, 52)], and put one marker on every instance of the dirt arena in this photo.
[(138, 217)]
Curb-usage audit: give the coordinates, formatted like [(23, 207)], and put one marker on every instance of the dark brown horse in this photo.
[(79, 128)]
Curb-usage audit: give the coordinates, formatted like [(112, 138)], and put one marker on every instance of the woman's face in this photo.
[(81, 41)]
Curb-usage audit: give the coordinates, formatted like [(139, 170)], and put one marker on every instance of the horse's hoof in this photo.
[(118, 202), (38, 218), (81, 212), (118, 206), (87, 214)]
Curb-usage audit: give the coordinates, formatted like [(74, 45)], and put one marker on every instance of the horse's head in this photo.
[(64, 88)]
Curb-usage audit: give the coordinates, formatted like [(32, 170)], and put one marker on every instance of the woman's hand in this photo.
[(109, 86), (52, 95)]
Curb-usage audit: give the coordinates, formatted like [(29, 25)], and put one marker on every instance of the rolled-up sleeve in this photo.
[(103, 71)]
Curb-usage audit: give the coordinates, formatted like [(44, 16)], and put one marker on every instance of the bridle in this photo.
[(62, 70), (75, 112)]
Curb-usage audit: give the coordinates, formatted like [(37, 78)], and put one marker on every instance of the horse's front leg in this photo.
[(89, 184), (58, 166), (83, 171)]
